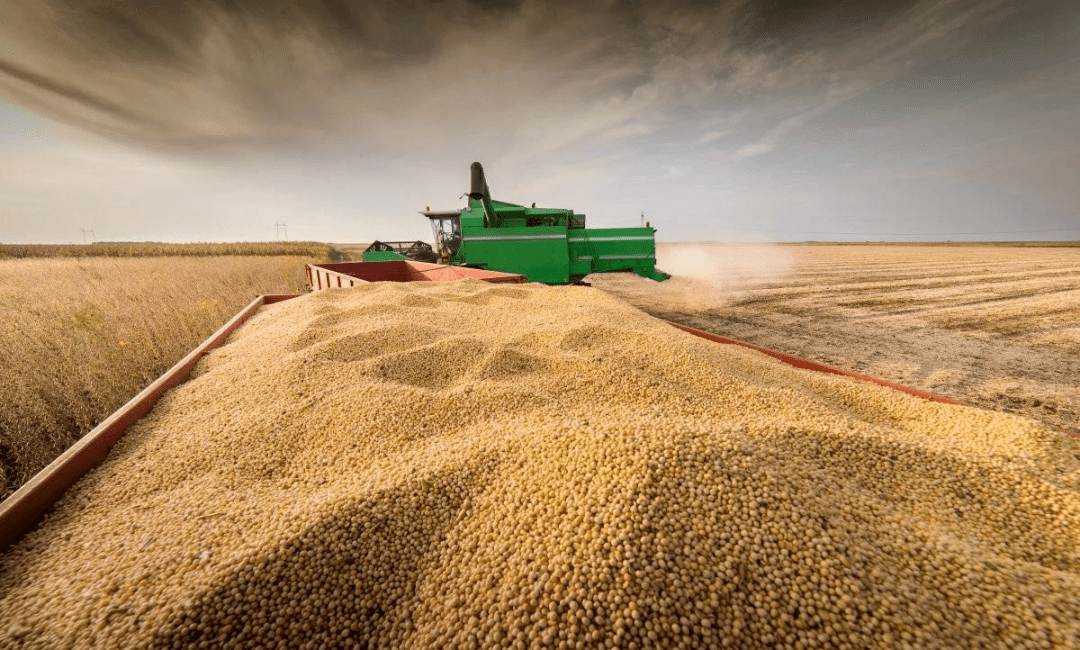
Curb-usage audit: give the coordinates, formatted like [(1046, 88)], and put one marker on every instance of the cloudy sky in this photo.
[(728, 120)]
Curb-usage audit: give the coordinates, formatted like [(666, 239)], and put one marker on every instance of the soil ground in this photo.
[(994, 326)]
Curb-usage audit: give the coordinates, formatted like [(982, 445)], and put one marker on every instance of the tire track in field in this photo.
[(893, 285)]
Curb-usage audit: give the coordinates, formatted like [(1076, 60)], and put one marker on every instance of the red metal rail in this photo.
[(350, 274), (806, 364), (20, 511)]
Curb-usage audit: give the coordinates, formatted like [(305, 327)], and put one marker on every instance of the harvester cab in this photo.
[(446, 226), (549, 245)]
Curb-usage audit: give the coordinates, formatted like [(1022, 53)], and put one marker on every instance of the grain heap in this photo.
[(476, 466)]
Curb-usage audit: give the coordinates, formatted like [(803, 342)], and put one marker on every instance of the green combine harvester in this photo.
[(549, 245)]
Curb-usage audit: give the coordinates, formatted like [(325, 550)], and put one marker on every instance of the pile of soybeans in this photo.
[(467, 465)]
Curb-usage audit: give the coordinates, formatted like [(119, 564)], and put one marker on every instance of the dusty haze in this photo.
[(706, 275)]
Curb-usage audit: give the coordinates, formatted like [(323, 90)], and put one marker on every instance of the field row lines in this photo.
[(793, 289)]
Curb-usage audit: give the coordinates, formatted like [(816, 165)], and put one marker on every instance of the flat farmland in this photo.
[(993, 325)]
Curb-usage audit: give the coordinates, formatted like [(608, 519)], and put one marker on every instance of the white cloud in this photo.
[(769, 141), (713, 136)]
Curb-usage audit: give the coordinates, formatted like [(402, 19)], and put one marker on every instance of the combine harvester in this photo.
[(548, 245), (489, 240)]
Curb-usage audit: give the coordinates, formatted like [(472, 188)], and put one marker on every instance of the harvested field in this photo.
[(79, 337), (996, 326), (464, 465)]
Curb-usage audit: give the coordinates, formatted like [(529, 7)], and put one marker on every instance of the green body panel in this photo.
[(382, 256), (607, 250), (550, 245), (538, 252)]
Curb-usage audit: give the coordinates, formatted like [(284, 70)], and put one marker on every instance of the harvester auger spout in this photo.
[(549, 245), (479, 191)]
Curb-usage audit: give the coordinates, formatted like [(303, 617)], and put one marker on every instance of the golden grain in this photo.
[(331, 479)]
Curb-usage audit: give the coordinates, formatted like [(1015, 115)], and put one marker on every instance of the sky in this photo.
[(851, 120)]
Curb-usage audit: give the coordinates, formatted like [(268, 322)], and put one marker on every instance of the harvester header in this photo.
[(549, 245)]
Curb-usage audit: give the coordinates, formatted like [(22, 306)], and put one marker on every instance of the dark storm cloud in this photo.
[(237, 71), (73, 93), (728, 117), (796, 20)]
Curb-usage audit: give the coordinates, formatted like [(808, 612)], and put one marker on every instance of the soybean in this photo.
[(467, 465)]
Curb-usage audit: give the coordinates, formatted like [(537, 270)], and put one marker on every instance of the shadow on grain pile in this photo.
[(462, 465)]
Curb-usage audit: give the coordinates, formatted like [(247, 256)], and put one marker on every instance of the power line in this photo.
[(281, 227)]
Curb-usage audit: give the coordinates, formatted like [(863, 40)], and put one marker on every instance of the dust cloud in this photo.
[(704, 275)]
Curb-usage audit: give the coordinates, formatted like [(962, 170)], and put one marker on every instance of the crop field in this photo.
[(79, 337), (462, 464), (993, 325), (159, 249)]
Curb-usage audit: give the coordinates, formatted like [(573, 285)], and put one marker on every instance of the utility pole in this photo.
[(281, 227)]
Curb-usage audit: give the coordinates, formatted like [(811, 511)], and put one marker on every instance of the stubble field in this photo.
[(995, 326), (80, 336)]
